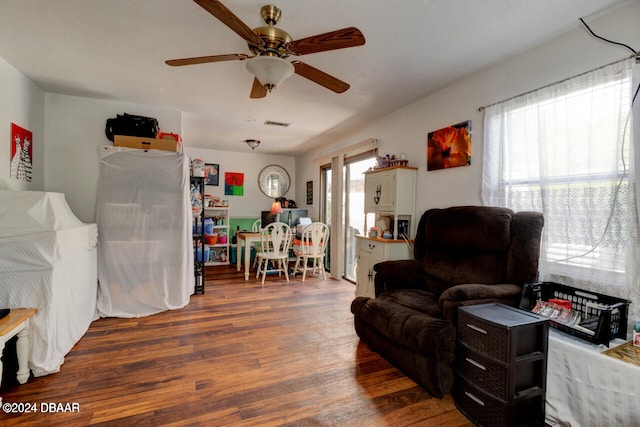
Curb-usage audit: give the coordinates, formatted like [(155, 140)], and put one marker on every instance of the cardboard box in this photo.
[(145, 143)]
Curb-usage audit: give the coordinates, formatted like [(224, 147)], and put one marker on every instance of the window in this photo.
[(564, 150)]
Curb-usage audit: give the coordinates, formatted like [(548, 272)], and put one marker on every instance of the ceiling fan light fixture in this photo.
[(253, 143), (270, 70)]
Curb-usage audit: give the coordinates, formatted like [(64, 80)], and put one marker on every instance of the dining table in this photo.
[(245, 239)]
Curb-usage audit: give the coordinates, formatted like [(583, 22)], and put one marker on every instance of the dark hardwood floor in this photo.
[(241, 354)]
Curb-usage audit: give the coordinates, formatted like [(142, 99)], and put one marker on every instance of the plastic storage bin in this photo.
[(233, 258), (198, 255), (608, 314), (208, 226)]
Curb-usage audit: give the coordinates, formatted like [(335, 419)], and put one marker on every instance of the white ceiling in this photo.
[(115, 49)]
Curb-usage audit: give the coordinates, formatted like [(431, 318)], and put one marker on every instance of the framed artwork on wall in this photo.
[(233, 183), (449, 147), (21, 153), (309, 192), (211, 173)]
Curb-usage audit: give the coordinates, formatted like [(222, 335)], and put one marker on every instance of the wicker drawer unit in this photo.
[(501, 359)]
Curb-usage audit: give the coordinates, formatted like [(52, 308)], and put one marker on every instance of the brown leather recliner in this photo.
[(462, 255)]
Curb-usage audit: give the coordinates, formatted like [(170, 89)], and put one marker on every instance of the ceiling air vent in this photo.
[(272, 123)]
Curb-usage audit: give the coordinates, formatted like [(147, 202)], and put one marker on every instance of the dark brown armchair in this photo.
[(462, 255)]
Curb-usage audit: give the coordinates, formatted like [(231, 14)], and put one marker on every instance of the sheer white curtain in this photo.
[(567, 150)]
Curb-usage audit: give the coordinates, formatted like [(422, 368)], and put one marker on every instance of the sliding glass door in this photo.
[(352, 212), (325, 206)]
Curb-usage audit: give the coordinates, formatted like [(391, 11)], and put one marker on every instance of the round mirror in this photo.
[(274, 181)]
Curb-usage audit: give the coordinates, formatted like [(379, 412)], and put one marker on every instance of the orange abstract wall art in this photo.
[(449, 147)]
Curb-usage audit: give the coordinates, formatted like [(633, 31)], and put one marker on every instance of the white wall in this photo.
[(75, 129), (405, 130), (251, 163), (22, 103)]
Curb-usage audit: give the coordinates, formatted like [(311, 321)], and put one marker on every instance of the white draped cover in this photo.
[(587, 388), (145, 252), (48, 261)]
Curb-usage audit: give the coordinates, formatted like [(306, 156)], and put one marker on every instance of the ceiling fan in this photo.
[(270, 47)]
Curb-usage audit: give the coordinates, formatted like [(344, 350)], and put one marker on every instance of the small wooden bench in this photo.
[(17, 323)]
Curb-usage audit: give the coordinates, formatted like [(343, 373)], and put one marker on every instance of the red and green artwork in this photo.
[(233, 183)]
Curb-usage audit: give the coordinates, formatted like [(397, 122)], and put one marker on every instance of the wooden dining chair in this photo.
[(275, 240), (311, 246)]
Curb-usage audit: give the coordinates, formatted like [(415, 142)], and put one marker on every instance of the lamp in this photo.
[(270, 70), (276, 208), (253, 143)]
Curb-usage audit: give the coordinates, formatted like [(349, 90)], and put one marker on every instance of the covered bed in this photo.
[(48, 260)]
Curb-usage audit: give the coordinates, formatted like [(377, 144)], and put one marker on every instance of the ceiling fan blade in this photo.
[(339, 39), (320, 77), (257, 90), (206, 59), (227, 17)]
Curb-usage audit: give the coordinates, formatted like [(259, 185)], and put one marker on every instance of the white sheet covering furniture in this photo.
[(145, 250), (587, 388), (48, 261)]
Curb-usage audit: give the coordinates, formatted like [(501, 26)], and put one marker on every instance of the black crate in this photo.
[(609, 315)]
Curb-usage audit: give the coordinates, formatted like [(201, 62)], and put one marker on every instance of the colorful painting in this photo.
[(21, 153), (211, 173), (233, 183), (449, 147)]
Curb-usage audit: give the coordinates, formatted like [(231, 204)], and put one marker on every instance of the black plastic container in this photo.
[(609, 313)]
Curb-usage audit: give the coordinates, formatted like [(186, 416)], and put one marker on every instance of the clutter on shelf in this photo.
[(211, 201), (197, 168), (390, 160)]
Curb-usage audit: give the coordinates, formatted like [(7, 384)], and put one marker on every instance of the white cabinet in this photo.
[(371, 252), (379, 190), (391, 193), (218, 240)]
